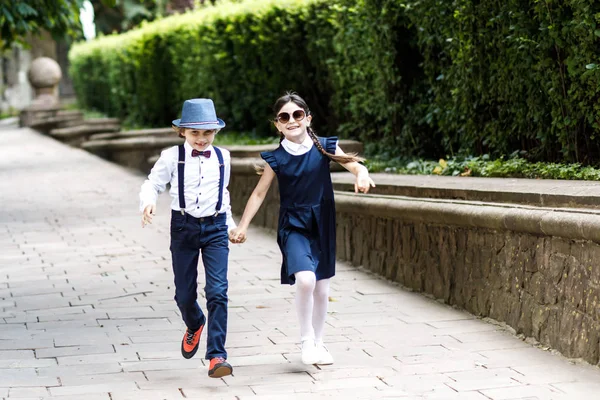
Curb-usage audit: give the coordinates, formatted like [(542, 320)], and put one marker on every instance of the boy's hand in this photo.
[(147, 215), (363, 182), (237, 235)]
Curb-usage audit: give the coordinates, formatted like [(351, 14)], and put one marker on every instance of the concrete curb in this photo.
[(567, 223)]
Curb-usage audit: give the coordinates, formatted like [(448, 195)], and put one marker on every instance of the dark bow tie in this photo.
[(196, 153)]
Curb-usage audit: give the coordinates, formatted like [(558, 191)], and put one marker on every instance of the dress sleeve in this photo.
[(270, 159), (329, 143)]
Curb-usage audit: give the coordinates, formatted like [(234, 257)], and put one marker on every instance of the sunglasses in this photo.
[(284, 117)]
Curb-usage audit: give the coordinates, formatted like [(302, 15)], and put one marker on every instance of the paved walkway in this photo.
[(86, 309)]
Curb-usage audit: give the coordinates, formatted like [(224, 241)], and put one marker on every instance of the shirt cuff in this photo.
[(230, 223), (143, 205)]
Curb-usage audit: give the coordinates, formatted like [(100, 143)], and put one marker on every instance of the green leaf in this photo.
[(25, 10)]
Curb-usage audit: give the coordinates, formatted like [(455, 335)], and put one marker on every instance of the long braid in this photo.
[(316, 141), (350, 157)]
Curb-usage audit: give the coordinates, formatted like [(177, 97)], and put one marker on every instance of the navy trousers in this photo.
[(189, 237)]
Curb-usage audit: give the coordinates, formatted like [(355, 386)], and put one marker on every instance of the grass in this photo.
[(11, 112)]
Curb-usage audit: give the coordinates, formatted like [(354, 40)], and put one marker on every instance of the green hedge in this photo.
[(243, 55), (427, 78), (513, 74)]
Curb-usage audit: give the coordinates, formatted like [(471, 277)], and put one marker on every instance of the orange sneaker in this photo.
[(189, 344), (219, 367)]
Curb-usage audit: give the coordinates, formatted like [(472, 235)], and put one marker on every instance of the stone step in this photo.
[(158, 132), (73, 113), (68, 123), (90, 122), (45, 121), (102, 121), (129, 143), (82, 130)]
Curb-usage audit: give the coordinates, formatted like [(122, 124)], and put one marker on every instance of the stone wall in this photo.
[(534, 268), (15, 90)]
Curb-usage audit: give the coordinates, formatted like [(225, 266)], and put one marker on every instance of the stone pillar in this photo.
[(44, 76)]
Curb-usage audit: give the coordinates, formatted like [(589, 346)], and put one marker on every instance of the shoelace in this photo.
[(190, 337)]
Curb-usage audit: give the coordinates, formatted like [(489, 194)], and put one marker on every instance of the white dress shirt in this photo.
[(201, 183)]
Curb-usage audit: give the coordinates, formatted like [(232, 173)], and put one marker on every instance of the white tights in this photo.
[(312, 298)]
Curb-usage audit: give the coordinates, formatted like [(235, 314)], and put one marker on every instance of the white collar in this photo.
[(306, 144)]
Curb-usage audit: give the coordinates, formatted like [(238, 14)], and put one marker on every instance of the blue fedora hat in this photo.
[(199, 114)]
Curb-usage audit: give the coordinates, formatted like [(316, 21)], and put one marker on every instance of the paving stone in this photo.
[(27, 392), (27, 363), (101, 388), (524, 391), (79, 370), (216, 393), (16, 354), (174, 394), (24, 377), (282, 388), (102, 378), (74, 351), (159, 365), (579, 390), (88, 396), (92, 359), (482, 378), (469, 395)]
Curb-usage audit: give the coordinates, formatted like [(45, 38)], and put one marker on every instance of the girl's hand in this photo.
[(237, 235), (363, 182), (147, 215)]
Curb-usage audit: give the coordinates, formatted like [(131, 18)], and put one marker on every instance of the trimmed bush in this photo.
[(510, 75), (242, 55), (426, 78)]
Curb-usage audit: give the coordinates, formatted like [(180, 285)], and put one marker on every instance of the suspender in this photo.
[(180, 176), (221, 178), (180, 172)]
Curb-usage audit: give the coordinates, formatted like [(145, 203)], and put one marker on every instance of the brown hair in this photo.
[(180, 131), (299, 101)]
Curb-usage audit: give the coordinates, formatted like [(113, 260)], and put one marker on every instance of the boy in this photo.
[(200, 220)]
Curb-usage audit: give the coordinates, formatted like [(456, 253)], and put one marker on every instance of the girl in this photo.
[(306, 233)]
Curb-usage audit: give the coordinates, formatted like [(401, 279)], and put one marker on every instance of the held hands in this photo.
[(237, 235), (363, 182), (147, 215)]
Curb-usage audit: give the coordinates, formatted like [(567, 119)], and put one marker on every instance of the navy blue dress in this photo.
[(306, 232)]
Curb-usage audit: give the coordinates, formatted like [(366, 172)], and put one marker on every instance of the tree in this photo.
[(123, 15), (19, 18)]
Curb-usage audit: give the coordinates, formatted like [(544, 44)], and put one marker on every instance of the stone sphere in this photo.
[(44, 72)]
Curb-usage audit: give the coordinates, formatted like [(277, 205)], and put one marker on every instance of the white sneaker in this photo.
[(309, 352), (325, 357)]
